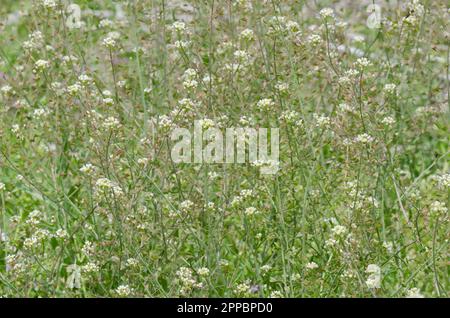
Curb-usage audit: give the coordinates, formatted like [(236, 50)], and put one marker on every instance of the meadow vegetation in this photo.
[(92, 204)]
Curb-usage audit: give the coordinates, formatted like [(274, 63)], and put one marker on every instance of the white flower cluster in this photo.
[(35, 40), (189, 79), (242, 289), (364, 139), (265, 104), (291, 117), (243, 195), (104, 186), (251, 211), (327, 13), (186, 205), (416, 11), (281, 25), (438, 208), (388, 121), (311, 266), (414, 293), (362, 63), (40, 66), (187, 280), (49, 4), (124, 291), (111, 39), (178, 26), (443, 180), (247, 35), (322, 121), (390, 88)]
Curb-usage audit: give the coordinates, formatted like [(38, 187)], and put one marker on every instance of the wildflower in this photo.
[(265, 104), (132, 262), (35, 40), (88, 168), (30, 242), (390, 88), (88, 248), (251, 211), (165, 122), (186, 205), (84, 79), (290, 116), (178, 26), (414, 293), (74, 89), (443, 180), (142, 161), (203, 271), (346, 108), (242, 57), (40, 66), (293, 27), (111, 122), (388, 121), (314, 39), (182, 45), (339, 230), (61, 233), (322, 121), (90, 267), (123, 291), (109, 42), (311, 265), (49, 4), (276, 294), (105, 23), (6, 90), (326, 13), (437, 208), (282, 87), (362, 63), (103, 185), (187, 280), (242, 289), (265, 268), (206, 123), (34, 218), (247, 35), (364, 139)]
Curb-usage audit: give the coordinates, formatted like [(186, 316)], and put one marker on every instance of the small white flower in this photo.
[(41, 65), (311, 265), (247, 35), (203, 271), (390, 88), (388, 121), (265, 104), (362, 63), (123, 291), (251, 211), (326, 13), (414, 293)]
